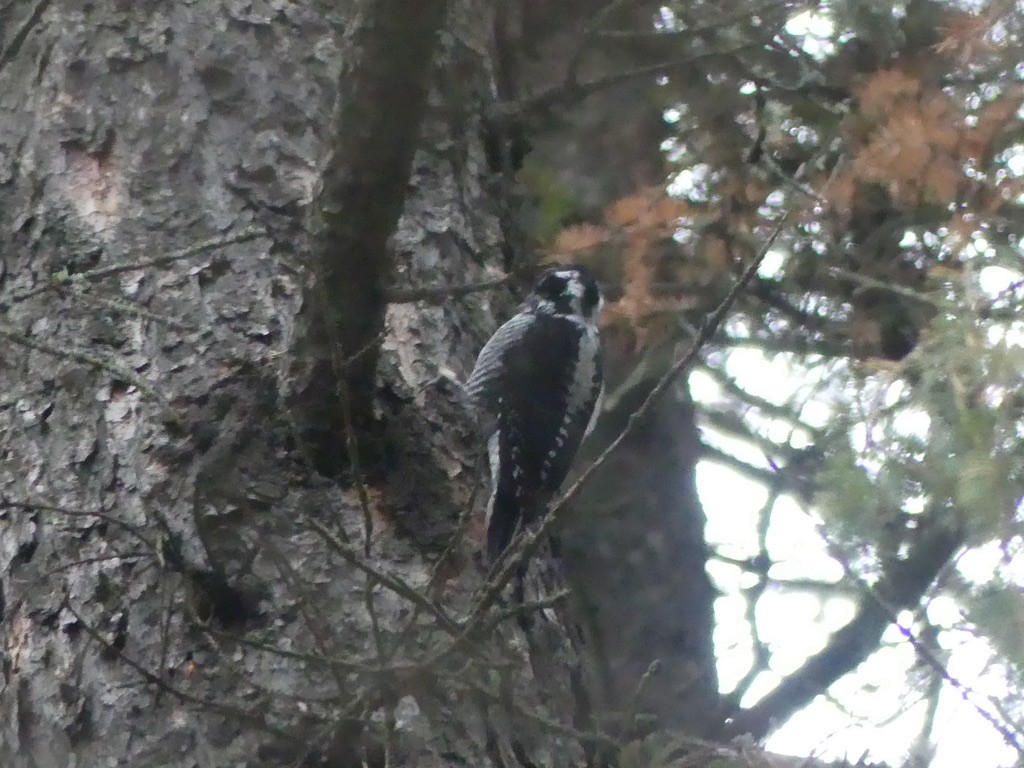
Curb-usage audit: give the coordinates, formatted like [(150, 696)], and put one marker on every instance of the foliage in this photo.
[(893, 296)]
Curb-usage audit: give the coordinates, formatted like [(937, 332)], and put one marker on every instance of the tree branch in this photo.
[(65, 280), (902, 586), (382, 97), (438, 293), (567, 92)]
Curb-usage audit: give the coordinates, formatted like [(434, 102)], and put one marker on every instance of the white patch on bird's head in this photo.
[(571, 291)]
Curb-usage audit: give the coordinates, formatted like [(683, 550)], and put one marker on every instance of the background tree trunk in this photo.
[(635, 537), (162, 523)]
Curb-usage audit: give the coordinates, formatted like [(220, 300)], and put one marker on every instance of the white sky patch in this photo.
[(1015, 160), (795, 546), (762, 685), (995, 279), (757, 373), (943, 611), (772, 264), (733, 644), (688, 180), (741, 449), (789, 623), (797, 622), (816, 414), (979, 564), (704, 388), (816, 30), (912, 422), (737, 530)]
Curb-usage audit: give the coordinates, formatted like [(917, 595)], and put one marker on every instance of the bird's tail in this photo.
[(503, 520)]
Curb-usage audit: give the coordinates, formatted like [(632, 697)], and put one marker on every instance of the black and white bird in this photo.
[(536, 387)]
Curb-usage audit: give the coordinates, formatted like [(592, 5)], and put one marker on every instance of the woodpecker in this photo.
[(536, 387)]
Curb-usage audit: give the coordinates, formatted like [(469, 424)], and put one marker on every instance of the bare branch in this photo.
[(772, 409), (1008, 727), (900, 587), (86, 358), (254, 716), (866, 281), (435, 294), (64, 280), (364, 183), (569, 92)]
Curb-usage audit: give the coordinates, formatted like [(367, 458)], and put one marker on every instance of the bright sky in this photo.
[(882, 712), (795, 624)]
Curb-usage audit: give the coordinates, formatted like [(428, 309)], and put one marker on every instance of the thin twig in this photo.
[(354, 357), (438, 292), (339, 666), (530, 713), (318, 630), (531, 606), (352, 449), (31, 506), (165, 635), (63, 280), (237, 713), (632, 708), (397, 586), (130, 308), (339, 366), (741, 13), (86, 358), (870, 282), (761, 654), (595, 31), (458, 535), (569, 92), (125, 556), (382, 660), (587, 37)]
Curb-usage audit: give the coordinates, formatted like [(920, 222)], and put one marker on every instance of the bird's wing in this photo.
[(484, 382)]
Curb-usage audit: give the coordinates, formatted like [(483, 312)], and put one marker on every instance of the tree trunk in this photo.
[(232, 459), (635, 537)]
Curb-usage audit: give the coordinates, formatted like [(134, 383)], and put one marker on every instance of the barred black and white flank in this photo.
[(536, 386)]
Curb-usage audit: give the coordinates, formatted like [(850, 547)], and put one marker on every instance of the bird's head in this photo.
[(569, 290)]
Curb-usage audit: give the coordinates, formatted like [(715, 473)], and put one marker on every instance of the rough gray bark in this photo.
[(179, 585)]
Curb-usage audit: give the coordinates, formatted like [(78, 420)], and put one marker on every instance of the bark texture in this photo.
[(180, 585)]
